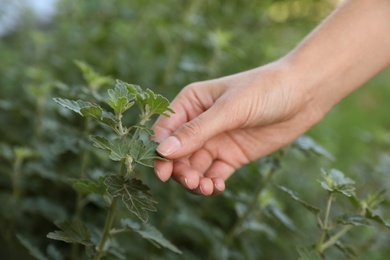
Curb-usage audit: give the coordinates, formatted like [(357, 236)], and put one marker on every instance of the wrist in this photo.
[(305, 97)]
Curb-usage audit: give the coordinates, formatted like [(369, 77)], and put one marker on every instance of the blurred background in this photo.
[(165, 45)]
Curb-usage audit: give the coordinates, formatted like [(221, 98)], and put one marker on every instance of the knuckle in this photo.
[(191, 88), (192, 129)]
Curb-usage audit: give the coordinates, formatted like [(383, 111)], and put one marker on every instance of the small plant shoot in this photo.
[(333, 228), (128, 147)]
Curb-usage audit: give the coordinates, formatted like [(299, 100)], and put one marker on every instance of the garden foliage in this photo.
[(76, 157)]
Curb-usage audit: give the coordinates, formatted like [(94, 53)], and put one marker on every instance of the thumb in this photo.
[(194, 134)]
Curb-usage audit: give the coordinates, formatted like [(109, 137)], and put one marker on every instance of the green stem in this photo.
[(123, 169), (325, 226), (135, 135), (252, 205), (334, 238), (106, 231)]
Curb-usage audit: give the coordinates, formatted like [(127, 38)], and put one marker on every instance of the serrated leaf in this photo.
[(377, 218), (147, 129), (101, 142), (375, 199), (118, 147), (85, 108), (94, 80), (347, 250), (120, 105), (135, 195), (150, 233), (135, 90), (149, 102), (120, 99), (355, 220), (32, 249), (335, 181), (100, 115), (145, 153), (156, 104), (71, 232), (73, 105), (295, 197)]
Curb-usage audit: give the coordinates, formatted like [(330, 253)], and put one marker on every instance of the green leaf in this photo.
[(150, 233), (256, 226), (136, 91), (85, 186), (94, 80), (71, 232), (149, 102), (145, 154), (377, 218), (74, 105), (281, 216), (335, 181), (86, 108), (120, 99), (295, 197), (348, 251), (32, 249), (307, 144), (375, 199), (355, 220), (135, 195), (118, 147), (156, 104), (147, 129)]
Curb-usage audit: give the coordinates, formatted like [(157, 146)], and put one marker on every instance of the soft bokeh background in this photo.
[(164, 45)]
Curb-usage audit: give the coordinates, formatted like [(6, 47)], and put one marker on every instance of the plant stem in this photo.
[(135, 135), (109, 220), (334, 238), (325, 226), (106, 230)]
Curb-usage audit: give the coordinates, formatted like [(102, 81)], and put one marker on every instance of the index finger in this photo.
[(192, 101)]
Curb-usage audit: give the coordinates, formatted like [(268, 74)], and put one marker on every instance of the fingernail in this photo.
[(201, 190), (158, 174), (169, 146), (186, 182), (219, 187)]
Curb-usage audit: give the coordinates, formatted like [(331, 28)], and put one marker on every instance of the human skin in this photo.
[(222, 124)]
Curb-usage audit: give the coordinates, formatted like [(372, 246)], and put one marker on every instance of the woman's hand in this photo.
[(223, 124)]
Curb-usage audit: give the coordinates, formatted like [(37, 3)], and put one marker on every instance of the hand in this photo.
[(223, 124)]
